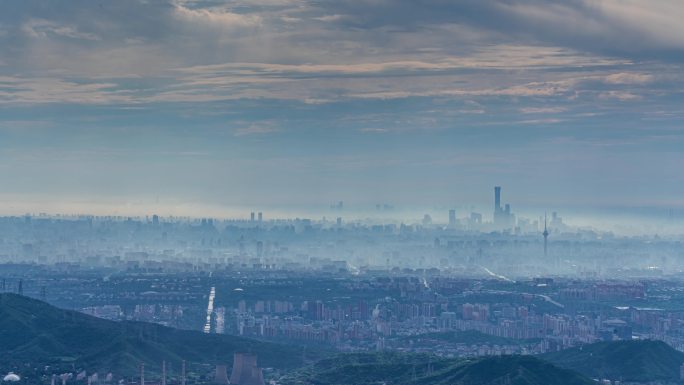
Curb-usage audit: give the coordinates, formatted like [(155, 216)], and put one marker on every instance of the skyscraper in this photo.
[(503, 218), (546, 237), (452, 218), (497, 200)]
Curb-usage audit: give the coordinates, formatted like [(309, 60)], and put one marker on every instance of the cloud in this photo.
[(628, 27), (542, 121), (38, 28), (15, 90), (221, 19), (542, 110), (533, 89), (330, 18), (629, 78), (529, 53), (260, 128), (374, 130), (619, 95)]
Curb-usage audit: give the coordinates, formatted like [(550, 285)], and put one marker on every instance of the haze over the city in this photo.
[(335, 192), (200, 107)]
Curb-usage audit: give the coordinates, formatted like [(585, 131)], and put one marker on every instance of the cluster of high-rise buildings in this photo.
[(503, 217)]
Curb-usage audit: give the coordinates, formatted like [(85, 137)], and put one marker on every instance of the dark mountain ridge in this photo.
[(628, 361), (403, 369), (36, 332)]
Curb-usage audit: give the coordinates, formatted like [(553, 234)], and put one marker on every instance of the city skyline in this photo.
[(305, 192), (496, 216)]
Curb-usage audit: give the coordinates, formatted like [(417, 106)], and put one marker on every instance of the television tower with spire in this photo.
[(546, 237)]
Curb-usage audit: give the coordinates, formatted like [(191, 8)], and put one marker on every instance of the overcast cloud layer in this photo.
[(293, 102)]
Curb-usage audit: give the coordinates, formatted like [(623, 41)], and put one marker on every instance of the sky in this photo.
[(192, 106)]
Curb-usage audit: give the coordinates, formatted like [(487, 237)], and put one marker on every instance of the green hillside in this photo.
[(629, 361), (36, 332), (398, 369)]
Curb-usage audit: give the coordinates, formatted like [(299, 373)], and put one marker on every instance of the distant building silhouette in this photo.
[(497, 200), (503, 218), (245, 370), (221, 375), (182, 381), (546, 237)]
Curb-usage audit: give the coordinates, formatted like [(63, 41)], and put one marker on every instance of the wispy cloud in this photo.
[(629, 78), (542, 110), (38, 28), (619, 95), (260, 128), (220, 18)]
